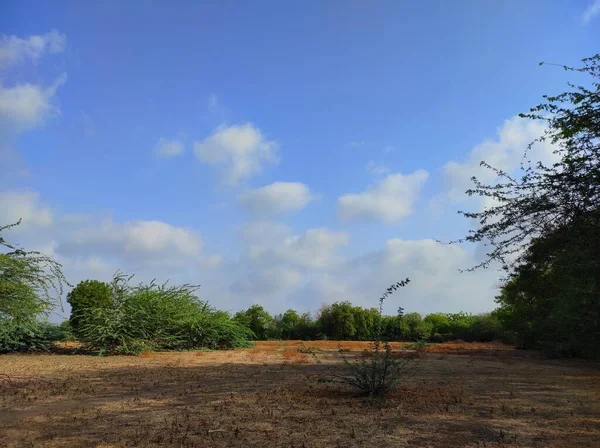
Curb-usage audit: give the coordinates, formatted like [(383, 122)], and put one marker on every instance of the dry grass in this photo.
[(463, 395)]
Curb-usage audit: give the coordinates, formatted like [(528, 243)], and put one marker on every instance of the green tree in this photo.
[(30, 286), (414, 328), (543, 226), (258, 320), (88, 294), (337, 321), (367, 322), (439, 323), (287, 324)]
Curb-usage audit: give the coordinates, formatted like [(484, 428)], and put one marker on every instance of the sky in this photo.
[(287, 154)]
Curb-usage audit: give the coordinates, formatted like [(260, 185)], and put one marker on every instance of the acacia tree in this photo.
[(543, 226), (31, 284), (545, 198)]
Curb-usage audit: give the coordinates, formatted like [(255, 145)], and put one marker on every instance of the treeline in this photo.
[(342, 321)]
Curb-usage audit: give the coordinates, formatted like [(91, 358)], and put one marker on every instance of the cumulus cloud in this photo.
[(389, 200), (137, 241), (125, 245), (25, 206), (505, 152), (26, 106), (277, 266), (240, 150), (166, 148), (278, 197), (436, 285), (591, 11), (270, 280), (276, 262), (14, 49), (276, 243)]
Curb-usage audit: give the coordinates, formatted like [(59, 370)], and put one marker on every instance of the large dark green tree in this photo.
[(543, 228)]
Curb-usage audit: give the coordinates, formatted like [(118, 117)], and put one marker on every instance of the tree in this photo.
[(337, 321), (543, 227), (258, 320), (287, 324), (88, 294), (31, 284)]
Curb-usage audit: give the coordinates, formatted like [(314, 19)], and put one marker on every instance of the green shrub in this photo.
[(377, 371), (157, 317), (87, 294), (375, 374), (28, 336)]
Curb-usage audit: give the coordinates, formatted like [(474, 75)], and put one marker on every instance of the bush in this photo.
[(377, 372), (157, 317), (87, 294), (29, 284), (374, 374), (28, 336)]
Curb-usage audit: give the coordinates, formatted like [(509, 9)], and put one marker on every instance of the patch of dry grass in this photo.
[(458, 395)]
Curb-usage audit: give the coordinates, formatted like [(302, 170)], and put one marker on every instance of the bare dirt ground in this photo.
[(457, 395)]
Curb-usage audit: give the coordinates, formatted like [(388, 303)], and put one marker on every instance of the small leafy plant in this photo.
[(378, 370)]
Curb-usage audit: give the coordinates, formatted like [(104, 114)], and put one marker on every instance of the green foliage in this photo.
[(414, 328), (87, 294), (337, 321), (30, 285), (375, 374), (157, 317), (258, 320), (29, 336), (544, 227)]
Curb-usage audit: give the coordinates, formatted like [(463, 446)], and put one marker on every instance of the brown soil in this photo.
[(456, 395)]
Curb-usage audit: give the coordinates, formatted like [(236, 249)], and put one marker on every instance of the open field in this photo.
[(456, 395)]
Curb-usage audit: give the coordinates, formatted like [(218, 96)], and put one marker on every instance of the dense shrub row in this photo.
[(343, 321)]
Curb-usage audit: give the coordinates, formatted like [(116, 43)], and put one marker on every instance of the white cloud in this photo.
[(14, 50), (26, 206), (389, 200), (278, 197), (436, 285), (315, 248), (134, 241), (166, 148), (504, 153), (271, 280), (276, 262), (25, 106), (591, 11), (273, 243), (241, 150), (278, 267)]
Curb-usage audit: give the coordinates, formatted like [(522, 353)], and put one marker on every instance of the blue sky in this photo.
[(283, 153)]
